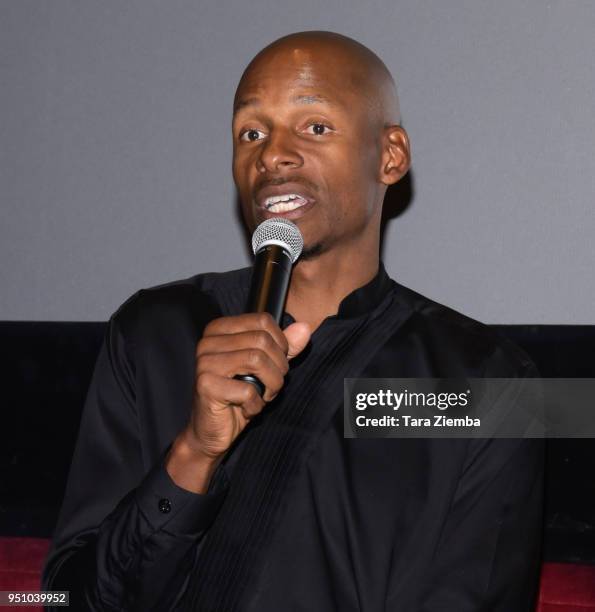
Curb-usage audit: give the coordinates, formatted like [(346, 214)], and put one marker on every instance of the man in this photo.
[(189, 491)]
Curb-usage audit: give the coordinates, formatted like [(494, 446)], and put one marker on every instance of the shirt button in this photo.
[(164, 505)]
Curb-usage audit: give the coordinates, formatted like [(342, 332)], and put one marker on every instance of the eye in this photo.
[(318, 129), (251, 135)]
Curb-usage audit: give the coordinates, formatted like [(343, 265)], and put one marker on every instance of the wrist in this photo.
[(188, 466)]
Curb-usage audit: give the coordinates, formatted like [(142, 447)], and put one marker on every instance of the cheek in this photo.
[(243, 173), (242, 180), (354, 182), (238, 171), (241, 159), (360, 157), (354, 175)]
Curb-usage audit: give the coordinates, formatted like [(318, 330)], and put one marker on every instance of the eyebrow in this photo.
[(303, 99)]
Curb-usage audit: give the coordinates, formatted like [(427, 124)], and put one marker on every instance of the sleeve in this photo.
[(488, 557), (489, 553), (127, 537)]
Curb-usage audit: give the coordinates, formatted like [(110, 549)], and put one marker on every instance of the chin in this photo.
[(312, 251)]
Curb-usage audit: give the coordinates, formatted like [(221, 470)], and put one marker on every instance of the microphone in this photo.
[(277, 243)]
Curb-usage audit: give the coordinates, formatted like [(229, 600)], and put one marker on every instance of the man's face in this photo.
[(306, 149)]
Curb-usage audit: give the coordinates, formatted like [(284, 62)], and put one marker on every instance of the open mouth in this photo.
[(284, 203)]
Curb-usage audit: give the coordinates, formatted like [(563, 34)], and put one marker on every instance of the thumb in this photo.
[(298, 336)]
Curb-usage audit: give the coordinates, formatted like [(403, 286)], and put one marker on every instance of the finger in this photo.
[(247, 322), (227, 393), (257, 339), (298, 335), (245, 361)]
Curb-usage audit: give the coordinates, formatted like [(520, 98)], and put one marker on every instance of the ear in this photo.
[(396, 154)]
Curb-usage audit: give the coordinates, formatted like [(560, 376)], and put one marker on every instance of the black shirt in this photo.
[(296, 517)]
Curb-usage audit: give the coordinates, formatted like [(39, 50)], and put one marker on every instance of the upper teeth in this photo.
[(282, 203)]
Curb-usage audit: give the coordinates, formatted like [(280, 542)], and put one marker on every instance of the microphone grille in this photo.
[(283, 232)]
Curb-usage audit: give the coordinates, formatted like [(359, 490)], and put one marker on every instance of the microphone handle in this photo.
[(268, 291)]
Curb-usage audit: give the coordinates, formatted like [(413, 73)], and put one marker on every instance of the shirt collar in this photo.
[(360, 301)]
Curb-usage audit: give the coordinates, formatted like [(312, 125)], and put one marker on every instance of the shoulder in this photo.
[(201, 296), (455, 337)]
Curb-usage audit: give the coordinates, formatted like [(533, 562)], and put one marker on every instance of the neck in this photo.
[(319, 285)]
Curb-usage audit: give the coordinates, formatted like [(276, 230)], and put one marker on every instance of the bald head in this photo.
[(327, 55)]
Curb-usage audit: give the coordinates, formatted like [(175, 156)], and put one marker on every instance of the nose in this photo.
[(278, 152)]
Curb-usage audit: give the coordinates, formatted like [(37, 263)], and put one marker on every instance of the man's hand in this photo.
[(222, 406)]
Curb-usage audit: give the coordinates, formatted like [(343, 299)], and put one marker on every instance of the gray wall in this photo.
[(115, 147)]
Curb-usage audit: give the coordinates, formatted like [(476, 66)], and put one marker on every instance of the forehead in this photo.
[(304, 76)]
